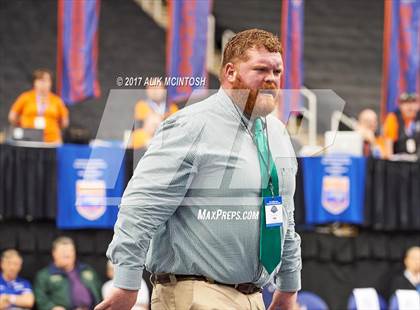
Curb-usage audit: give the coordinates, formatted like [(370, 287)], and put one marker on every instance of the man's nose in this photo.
[(271, 77)]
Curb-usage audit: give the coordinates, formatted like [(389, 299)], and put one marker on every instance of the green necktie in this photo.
[(270, 237)]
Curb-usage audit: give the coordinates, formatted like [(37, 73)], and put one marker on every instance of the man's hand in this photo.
[(119, 299), (4, 301), (58, 308), (283, 300)]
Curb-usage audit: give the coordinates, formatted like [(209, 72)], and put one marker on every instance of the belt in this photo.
[(164, 278)]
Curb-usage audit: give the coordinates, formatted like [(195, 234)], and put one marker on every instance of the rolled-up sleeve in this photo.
[(155, 191), (288, 279)]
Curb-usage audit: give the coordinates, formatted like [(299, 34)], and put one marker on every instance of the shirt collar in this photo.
[(53, 269), (415, 280), (233, 109), (4, 280)]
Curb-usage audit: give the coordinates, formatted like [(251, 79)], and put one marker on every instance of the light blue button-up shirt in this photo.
[(192, 205)]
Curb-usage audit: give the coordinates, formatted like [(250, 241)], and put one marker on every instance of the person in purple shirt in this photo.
[(66, 283), (15, 292)]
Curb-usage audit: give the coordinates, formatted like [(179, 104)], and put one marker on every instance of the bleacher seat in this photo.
[(404, 300), (311, 301), (366, 301)]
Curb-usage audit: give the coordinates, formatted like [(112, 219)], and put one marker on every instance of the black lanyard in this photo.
[(243, 123)]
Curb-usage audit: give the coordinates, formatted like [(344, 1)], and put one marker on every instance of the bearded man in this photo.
[(209, 209)]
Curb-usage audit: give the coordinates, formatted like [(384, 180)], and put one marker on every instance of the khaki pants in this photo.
[(201, 295)]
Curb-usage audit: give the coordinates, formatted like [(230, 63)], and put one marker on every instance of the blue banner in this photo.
[(292, 42), (334, 189), (186, 47), (401, 54), (90, 186), (77, 50)]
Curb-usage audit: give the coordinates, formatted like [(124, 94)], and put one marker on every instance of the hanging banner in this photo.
[(77, 50), (292, 42), (401, 54), (186, 48)]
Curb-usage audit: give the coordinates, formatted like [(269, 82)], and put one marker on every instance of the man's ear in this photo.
[(230, 72)]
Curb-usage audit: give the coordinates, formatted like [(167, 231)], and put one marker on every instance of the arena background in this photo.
[(342, 51), (342, 47)]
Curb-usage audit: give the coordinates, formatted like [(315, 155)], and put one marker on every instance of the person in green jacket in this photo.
[(66, 284)]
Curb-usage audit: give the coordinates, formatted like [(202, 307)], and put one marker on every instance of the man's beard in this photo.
[(254, 102)]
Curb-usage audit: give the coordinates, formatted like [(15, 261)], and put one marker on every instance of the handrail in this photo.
[(339, 117), (311, 115), (226, 36)]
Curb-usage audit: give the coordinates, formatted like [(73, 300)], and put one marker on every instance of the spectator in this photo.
[(410, 279), (143, 296), (402, 127), (65, 283), (39, 108), (150, 113), (15, 292), (367, 126)]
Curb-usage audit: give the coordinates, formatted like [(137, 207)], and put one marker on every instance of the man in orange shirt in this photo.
[(402, 127), (149, 113), (40, 109)]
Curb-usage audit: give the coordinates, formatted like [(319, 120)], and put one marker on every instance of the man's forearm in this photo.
[(150, 199), (25, 300), (283, 300)]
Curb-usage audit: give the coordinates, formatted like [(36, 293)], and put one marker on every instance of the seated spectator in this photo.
[(410, 279), (149, 113), (367, 126), (143, 295), (402, 127), (65, 283), (40, 109), (15, 292)]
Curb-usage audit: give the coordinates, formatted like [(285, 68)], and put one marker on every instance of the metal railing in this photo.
[(339, 117), (310, 114)]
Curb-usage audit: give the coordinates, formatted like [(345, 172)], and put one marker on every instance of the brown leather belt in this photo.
[(165, 278)]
